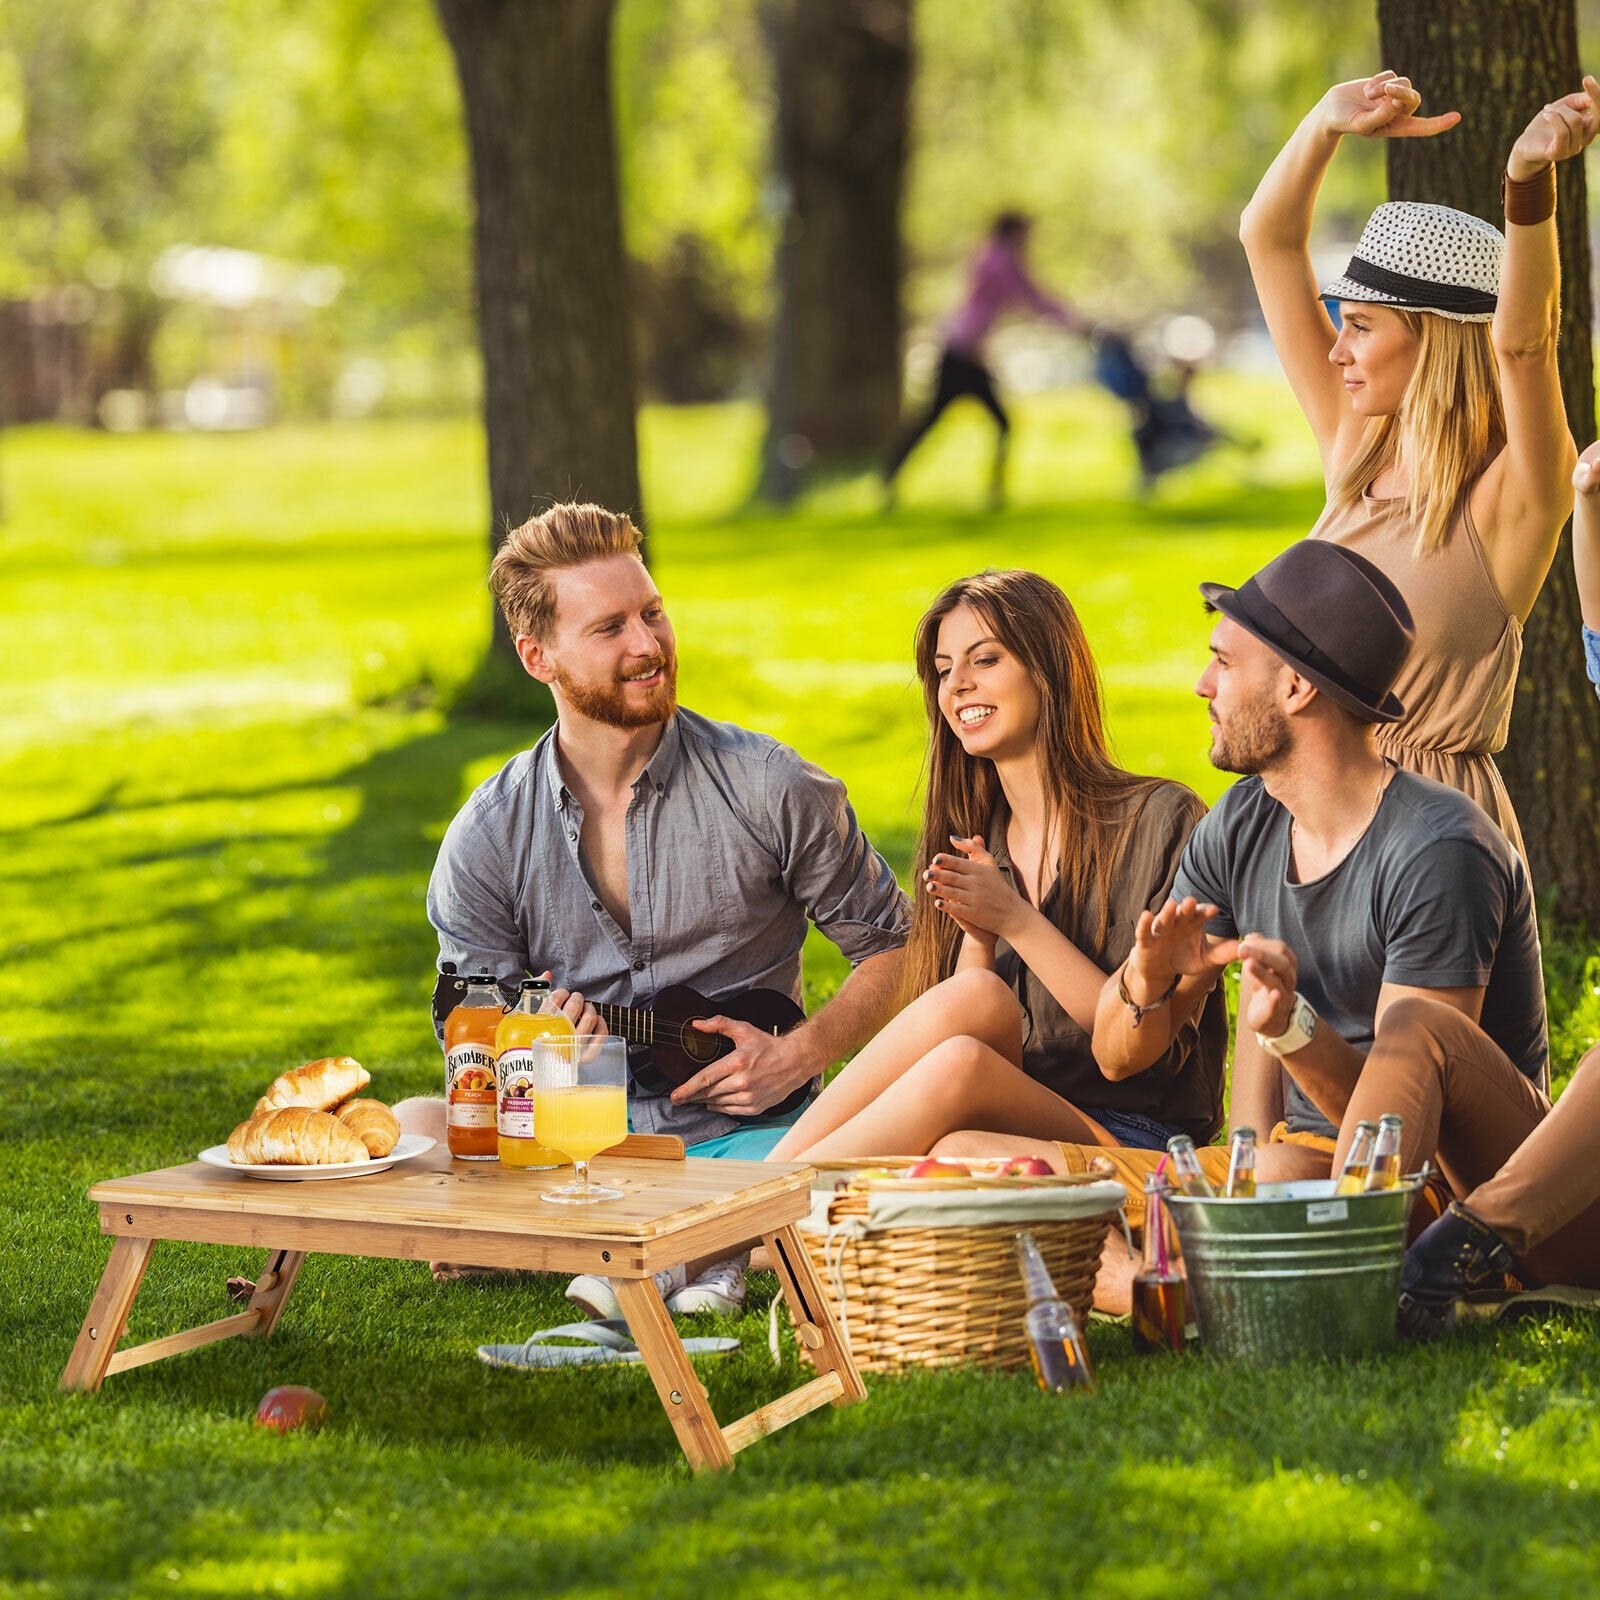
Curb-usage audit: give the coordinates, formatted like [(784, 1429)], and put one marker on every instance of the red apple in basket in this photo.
[(291, 1407), (935, 1167), (1026, 1167)]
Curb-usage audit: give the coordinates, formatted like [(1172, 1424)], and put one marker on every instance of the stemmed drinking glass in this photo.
[(580, 1107)]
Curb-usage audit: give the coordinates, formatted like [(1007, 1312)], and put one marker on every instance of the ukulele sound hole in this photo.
[(704, 1047)]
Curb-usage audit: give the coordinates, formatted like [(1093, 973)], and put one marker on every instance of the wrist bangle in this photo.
[(1141, 1012), (1529, 201)]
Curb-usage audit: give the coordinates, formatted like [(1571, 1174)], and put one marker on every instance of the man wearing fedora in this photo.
[(1382, 920)]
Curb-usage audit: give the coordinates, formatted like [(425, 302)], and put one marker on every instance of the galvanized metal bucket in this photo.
[(1297, 1271)]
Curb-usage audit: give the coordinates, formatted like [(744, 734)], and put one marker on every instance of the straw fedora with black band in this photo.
[(1334, 617), (1419, 257)]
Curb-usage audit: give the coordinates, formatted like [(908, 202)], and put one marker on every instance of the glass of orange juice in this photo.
[(580, 1107)]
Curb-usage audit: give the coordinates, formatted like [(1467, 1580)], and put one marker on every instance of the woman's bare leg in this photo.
[(976, 1004), (962, 1083)]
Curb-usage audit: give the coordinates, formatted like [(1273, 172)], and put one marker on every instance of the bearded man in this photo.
[(639, 845)]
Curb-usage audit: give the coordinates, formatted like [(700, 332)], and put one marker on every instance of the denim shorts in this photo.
[(1591, 656), (1133, 1130)]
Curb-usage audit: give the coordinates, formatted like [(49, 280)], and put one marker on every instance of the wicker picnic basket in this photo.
[(943, 1296)]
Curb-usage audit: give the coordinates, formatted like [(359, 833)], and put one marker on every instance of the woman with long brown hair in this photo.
[(1037, 855), (1436, 406)]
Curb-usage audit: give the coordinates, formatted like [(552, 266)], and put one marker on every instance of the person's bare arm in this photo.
[(1172, 955), (1586, 535), (1523, 498), (763, 1068), (1327, 1069), (1255, 1094), (1275, 230)]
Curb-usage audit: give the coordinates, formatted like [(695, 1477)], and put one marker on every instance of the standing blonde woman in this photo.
[(1436, 406)]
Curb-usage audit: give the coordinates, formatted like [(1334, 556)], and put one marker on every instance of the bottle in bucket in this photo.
[(1242, 1165), (1060, 1360), (1385, 1170), (1357, 1160), (1160, 1301), (469, 1076), (1186, 1167), (516, 1039)]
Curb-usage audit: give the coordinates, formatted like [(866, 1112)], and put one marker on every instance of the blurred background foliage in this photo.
[(326, 134)]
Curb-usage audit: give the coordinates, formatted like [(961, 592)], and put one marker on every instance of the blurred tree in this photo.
[(844, 81), (108, 118), (1497, 62), (694, 110), (552, 292)]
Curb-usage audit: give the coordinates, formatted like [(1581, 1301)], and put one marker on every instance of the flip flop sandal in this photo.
[(604, 1343)]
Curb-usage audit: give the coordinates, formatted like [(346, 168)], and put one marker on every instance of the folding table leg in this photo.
[(684, 1400), (108, 1315), (814, 1326), (272, 1289)]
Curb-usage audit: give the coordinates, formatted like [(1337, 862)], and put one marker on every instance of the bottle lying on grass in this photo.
[(1060, 1360)]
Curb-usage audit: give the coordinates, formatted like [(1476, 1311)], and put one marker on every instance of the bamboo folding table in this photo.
[(432, 1208)]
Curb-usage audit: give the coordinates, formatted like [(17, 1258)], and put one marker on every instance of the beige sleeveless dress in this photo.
[(1459, 679)]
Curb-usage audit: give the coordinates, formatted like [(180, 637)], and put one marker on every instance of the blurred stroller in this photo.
[(1167, 431)]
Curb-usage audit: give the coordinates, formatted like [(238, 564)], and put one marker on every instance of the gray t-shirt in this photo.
[(733, 842), (1432, 896)]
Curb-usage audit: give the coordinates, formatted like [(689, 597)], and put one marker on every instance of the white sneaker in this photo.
[(595, 1295), (719, 1289)]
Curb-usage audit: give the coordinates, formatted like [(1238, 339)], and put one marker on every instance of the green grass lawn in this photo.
[(221, 788)]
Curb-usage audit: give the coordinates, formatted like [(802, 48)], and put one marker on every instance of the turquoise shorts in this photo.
[(751, 1143)]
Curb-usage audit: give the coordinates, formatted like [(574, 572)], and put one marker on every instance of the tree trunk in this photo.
[(843, 70), (552, 300), (1497, 62)]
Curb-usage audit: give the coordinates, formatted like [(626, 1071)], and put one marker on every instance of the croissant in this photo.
[(318, 1084), (295, 1136), (373, 1123)]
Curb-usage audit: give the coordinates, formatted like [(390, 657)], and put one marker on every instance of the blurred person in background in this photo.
[(998, 281)]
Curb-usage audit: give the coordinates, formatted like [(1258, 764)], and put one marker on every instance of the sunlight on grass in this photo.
[(223, 779)]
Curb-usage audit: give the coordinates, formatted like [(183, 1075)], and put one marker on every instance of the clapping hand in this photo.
[(1381, 107), (971, 890), (1561, 130)]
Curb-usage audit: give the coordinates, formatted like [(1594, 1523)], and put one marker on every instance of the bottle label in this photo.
[(469, 1086), (516, 1093)]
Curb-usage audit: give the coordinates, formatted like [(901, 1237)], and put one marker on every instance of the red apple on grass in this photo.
[(290, 1407)]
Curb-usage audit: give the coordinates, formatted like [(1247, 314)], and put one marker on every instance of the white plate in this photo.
[(411, 1144)]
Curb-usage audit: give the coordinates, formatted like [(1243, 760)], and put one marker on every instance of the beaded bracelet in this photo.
[(1529, 201), (1141, 1012)]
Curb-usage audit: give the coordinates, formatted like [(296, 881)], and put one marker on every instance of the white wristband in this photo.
[(1301, 1031)]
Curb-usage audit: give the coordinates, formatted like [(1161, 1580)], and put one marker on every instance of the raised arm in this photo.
[(1172, 967), (1276, 231), (1586, 535), (1526, 494)]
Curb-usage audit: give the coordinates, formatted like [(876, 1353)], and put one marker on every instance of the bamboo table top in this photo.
[(433, 1207)]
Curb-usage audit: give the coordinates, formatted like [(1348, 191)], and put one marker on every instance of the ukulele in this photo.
[(679, 1050)]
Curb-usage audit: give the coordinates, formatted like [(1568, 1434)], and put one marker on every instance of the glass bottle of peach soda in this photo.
[(469, 1081), (515, 1042)]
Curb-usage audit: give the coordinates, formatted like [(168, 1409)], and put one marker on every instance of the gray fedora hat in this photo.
[(1334, 617)]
